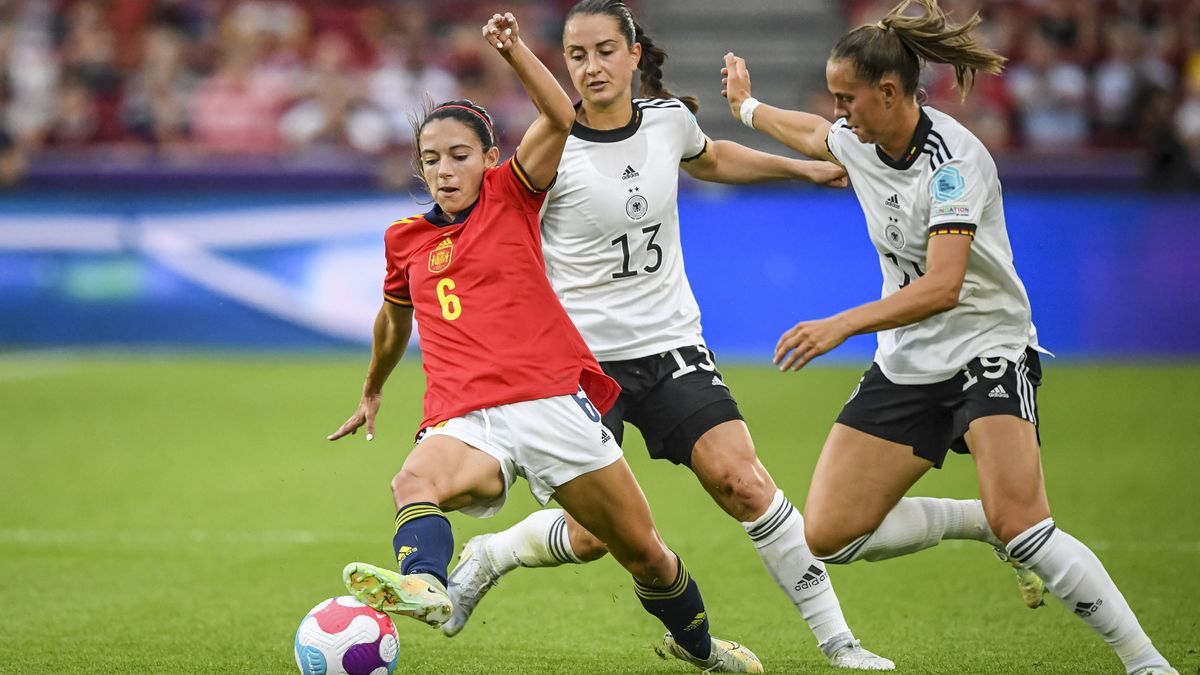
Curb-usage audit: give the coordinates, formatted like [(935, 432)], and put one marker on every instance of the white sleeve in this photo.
[(694, 142), (835, 141), (958, 194)]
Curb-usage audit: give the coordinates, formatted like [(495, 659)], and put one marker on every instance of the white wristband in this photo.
[(746, 112)]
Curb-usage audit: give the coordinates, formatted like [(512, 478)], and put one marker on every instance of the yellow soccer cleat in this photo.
[(725, 657), (420, 596), (1031, 586)]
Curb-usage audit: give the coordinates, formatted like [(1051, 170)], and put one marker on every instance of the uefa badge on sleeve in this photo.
[(439, 259), (947, 184)]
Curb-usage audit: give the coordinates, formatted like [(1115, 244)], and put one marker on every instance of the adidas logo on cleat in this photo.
[(998, 392), (893, 201), (629, 173), (813, 577), (1086, 609)]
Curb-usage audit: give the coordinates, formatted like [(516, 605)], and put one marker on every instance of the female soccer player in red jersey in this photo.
[(957, 365), (511, 388)]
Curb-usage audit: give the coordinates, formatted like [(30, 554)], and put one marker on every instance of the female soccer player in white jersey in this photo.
[(611, 241), (957, 365)]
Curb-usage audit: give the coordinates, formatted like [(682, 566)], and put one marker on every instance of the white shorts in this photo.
[(548, 441)]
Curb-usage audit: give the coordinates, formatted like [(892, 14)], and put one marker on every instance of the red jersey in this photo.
[(491, 329)]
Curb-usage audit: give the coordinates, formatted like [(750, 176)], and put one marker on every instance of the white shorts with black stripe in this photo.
[(548, 442), (933, 418)]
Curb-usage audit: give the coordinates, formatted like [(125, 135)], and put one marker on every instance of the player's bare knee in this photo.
[(825, 540), (746, 497), (739, 489), (408, 487), (1006, 525)]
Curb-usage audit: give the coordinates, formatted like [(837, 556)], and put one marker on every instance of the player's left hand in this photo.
[(502, 32), (807, 340), (735, 78)]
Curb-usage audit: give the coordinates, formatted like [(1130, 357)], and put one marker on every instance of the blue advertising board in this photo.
[(1109, 275)]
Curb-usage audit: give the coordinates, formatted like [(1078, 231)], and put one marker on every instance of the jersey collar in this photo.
[(609, 135), (437, 217), (924, 125)]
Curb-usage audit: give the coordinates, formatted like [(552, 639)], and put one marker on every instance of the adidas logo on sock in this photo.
[(998, 392), (717, 382), (814, 576), (1086, 609), (629, 173), (893, 201)]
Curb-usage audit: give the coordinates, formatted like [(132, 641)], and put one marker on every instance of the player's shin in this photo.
[(1076, 577), (681, 609), (538, 541), (915, 524), (778, 536), (423, 541)]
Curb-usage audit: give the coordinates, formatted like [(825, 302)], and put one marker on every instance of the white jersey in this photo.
[(945, 184), (610, 233)]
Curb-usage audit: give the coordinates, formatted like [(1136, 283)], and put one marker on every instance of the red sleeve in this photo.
[(509, 179), (395, 284)]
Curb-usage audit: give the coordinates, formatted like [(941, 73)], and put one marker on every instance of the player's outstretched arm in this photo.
[(935, 292), (542, 147), (733, 163), (393, 326), (800, 131)]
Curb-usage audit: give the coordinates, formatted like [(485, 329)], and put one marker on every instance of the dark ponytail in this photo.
[(653, 56), (651, 66), (903, 44)]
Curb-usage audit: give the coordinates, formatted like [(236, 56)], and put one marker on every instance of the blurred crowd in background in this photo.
[(1082, 74), (181, 82)]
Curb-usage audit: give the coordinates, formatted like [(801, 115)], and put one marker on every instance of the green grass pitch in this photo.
[(180, 515)]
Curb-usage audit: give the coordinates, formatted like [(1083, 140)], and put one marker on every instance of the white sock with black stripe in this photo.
[(915, 524), (778, 536), (538, 541), (1075, 576)]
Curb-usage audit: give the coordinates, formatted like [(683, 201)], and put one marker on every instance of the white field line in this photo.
[(34, 537), (23, 371)]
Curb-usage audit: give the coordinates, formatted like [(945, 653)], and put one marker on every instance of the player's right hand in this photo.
[(368, 408), (502, 32), (735, 79)]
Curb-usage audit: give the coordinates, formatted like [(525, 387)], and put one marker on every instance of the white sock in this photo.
[(915, 524), (779, 538), (538, 541), (1075, 576)]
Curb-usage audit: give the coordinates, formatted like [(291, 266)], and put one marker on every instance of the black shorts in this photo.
[(673, 398), (932, 418)]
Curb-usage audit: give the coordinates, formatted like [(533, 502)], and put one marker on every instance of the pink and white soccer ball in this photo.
[(342, 636)]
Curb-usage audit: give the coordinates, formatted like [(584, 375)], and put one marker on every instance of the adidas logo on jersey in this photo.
[(717, 382), (629, 173), (998, 392), (604, 436), (893, 201)]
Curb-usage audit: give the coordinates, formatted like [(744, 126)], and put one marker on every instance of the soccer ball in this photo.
[(342, 636)]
